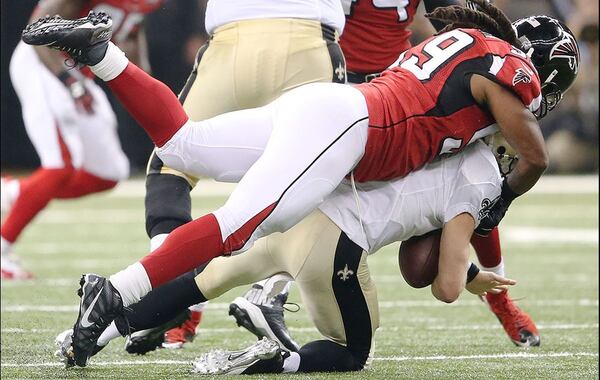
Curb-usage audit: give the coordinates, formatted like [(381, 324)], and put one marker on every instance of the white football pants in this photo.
[(287, 156)]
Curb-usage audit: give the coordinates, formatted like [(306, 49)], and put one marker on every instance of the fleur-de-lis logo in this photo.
[(345, 273), (340, 71)]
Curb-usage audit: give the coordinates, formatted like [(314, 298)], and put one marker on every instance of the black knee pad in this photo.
[(168, 203), (327, 356)]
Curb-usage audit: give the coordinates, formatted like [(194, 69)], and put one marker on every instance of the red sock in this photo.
[(186, 248), (151, 103), (84, 183), (34, 194), (488, 248)]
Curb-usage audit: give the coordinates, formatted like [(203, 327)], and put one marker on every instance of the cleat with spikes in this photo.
[(64, 352), (518, 325), (239, 362), (85, 39), (100, 304), (263, 318)]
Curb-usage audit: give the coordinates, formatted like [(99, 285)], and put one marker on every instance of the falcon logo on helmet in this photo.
[(567, 49), (554, 53)]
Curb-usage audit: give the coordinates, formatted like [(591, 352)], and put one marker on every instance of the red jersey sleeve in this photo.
[(512, 69)]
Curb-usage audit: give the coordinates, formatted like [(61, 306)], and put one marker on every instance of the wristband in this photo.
[(507, 193), (472, 272)]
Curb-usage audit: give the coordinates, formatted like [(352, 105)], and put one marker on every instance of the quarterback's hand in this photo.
[(84, 100), (488, 282)]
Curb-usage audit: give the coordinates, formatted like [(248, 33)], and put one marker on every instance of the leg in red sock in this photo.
[(84, 183), (35, 193), (151, 103), (488, 249), (185, 248)]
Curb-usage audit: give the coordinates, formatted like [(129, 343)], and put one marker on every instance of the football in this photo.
[(418, 259)]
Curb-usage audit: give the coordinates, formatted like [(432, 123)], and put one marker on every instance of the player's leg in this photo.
[(338, 293), (166, 302), (48, 114), (519, 326), (307, 52)]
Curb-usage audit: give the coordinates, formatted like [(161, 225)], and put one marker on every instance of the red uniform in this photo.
[(127, 15), (375, 33), (424, 108)]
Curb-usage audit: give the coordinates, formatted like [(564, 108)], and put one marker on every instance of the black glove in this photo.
[(494, 213), (80, 94)]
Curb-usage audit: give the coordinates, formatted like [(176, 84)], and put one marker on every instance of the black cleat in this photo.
[(100, 304), (85, 39), (144, 341), (264, 320)]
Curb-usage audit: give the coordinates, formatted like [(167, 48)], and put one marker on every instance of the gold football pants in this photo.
[(249, 63), (330, 270)]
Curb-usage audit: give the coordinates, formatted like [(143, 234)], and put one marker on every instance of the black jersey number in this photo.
[(399, 5), (438, 52)]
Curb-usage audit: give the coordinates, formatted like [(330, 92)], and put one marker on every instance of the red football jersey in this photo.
[(127, 15), (424, 108), (375, 33)]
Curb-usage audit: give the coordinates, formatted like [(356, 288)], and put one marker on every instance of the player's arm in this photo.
[(454, 260), (520, 129), (68, 9), (430, 5)]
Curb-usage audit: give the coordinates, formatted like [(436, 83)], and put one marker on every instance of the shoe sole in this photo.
[(250, 317), (96, 27)]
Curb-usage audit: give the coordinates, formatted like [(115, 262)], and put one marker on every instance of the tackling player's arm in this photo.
[(454, 261), (520, 129)]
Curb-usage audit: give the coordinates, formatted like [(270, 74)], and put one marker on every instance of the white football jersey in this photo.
[(221, 12), (418, 203)]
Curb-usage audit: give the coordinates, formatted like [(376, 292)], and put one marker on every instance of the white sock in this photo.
[(12, 188), (5, 246), (498, 269), (113, 64), (157, 241), (132, 283), (198, 307), (291, 363), (109, 334)]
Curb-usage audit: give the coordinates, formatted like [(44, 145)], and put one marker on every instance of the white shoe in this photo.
[(235, 362), (11, 268)]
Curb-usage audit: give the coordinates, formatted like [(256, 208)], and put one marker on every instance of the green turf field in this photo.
[(550, 240)]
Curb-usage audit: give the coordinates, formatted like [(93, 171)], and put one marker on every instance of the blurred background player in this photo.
[(69, 121), (374, 36), (257, 50)]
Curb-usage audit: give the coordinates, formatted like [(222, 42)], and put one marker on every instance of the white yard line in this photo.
[(221, 330), (383, 304), (511, 355)]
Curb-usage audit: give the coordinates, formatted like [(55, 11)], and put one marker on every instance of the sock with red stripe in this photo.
[(488, 249), (84, 183), (36, 191)]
